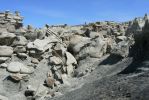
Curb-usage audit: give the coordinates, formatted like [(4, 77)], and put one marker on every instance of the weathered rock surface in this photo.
[(70, 59), (55, 60), (6, 51), (101, 60), (20, 41), (6, 38), (17, 67)]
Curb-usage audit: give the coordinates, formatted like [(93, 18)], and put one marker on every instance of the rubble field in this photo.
[(96, 61)]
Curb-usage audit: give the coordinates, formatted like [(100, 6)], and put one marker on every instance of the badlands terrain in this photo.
[(95, 61)]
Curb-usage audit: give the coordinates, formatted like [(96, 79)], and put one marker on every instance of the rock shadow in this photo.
[(112, 59)]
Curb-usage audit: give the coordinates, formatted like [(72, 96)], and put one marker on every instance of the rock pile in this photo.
[(41, 61), (23, 49)]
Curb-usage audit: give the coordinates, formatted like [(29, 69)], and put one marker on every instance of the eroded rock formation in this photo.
[(40, 64)]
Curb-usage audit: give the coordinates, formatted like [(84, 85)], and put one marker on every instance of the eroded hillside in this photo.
[(95, 61)]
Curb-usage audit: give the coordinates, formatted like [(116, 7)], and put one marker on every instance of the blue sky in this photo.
[(40, 12)]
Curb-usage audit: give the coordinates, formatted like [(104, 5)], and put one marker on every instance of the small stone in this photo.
[(55, 60), (56, 94), (18, 77), (30, 91), (34, 60), (57, 75), (50, 82), (30, 87), (3, 59), (19, 49), (54, 68), (3, 65), (22, 55), (57, 83), (42, 90), (121, 38), (32, 51)]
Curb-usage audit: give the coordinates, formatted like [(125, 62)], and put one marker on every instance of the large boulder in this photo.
[(6, 38), (77, 42), (40, 45), (96, 49), (121, 49), (6, 51)]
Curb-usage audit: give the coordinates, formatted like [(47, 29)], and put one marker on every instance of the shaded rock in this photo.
[(59, 49), (19, 49), (21, 31), (121, 49), (3, 59), (116, 33), (30, 92), (7, 38), (97, 48), (3, 65), (11, 29), (121, 38), (22, 55), (91, 34), (57, 75), (20, 41), (6, 51), (76, 39), (57, 83), (41, 33)]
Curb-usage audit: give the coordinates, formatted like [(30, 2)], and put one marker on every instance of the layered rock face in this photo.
[(46, 63), (139, 30)]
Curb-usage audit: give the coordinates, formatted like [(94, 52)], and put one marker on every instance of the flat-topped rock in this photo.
[(6, 51), (17, 67)]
